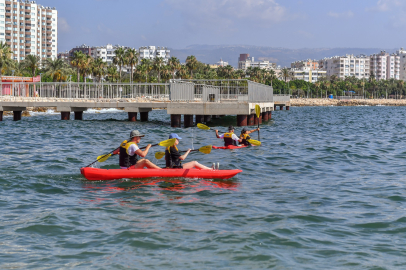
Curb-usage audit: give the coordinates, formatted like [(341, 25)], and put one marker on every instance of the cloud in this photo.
[(227, 14), (385, 5), (63, 25), (348, 14)]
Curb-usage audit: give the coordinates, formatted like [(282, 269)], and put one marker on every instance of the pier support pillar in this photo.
[(256, 119), (188, 120), (207, 118), (241, 120), (79, 115), (144, 116), (132, 116), (64, 116), (269, 115), (215, 116), (1, 116), (199, 119), (274, 107), (281, 107), (175, 120), (265, 116), (250, 119), (287, 108)]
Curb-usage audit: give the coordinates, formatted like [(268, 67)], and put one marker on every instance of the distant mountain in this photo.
[(210, 54)]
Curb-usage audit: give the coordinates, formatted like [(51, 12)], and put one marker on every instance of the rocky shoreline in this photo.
[(301, 102)]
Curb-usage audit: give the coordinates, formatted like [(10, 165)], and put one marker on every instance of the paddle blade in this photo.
[(103, 158), (258, 110), (254, 142), (201, 126), (159, 155), (168, 143), (205, 149)]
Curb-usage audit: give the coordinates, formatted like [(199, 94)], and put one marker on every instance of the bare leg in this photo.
[(142, 163), (195, 164)]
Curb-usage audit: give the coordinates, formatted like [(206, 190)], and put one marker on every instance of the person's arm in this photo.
[(143, 153), (251, 131), (217, 134), (235, 138), (183, 157), (117, 151)]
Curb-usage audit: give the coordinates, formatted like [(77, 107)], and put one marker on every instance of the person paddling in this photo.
[(174, 158), (129, 152), (229, 138), (245, 135)]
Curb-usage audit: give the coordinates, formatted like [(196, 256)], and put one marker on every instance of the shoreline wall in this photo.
[(301, 102)]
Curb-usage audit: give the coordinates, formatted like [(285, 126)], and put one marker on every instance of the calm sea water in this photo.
[(326, 190)]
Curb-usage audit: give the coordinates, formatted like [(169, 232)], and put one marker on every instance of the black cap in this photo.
[(230, 128), (244, 130)]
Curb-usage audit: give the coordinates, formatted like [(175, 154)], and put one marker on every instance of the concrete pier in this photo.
[(256, 119), (269, 115), (79, 115), (143, 116), (188, 120), (287, 108), (64, 115), (176, 120), (199, 119), (250, 119), (281, 107), (241, 120), (132, 116), (17, 115), (265, 116), (1, 115)]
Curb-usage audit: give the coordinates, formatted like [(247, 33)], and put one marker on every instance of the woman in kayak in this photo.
[(129, 152), (174, 158), (229, 138), (245, 135)]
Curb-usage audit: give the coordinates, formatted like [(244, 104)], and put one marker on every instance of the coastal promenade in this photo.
[(198, 101)]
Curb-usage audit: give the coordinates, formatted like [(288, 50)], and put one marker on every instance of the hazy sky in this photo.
[(274, 23)]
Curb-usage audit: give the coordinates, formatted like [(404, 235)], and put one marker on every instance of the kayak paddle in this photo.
[(204, 149), (103, 158), (258, 112), (204, 127)]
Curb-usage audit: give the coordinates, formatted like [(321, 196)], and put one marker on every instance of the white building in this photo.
[(402, 63), (249, 62), (29, 28), (346, 66), (151, 52), (307, 74), (106, 53), (385, 66), (222, 63)]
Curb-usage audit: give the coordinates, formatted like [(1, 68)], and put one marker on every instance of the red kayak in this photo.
[(94, 174), (229, 147)]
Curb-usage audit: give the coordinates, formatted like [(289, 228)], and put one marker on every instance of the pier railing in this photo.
[(85, 91)]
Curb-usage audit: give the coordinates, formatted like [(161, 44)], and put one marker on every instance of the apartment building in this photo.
[(222, 63), (385, 66), (29, 28), (307, 74), (402, 63), (106, 53), (245, 61), (309, 64), (346, 66), (151, 52)]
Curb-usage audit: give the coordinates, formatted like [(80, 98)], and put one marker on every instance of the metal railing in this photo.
[(85, 91)]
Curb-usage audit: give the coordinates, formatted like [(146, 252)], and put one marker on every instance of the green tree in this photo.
[(191, 64), (158, 63), (132, 60), (119, 59), (5, 57), (31, 62), (57, 69)]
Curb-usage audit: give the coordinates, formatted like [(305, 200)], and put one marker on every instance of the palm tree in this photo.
[(98, 68), (174, 65), (132, 60), (191, 64), (158, 62), (285, 74), (183, 72), (57, 69), (5, 57), (112, 73), (32, 63), (86, 66), (76, 61), (119, 58), (147, 67), (272, 75)]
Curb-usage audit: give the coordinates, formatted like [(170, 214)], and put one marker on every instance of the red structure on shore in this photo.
[(7, 88)]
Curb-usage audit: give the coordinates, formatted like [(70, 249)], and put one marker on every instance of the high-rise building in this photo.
[(402, 63), (347, 66), (385, 66), (106, 53), (29, 28)]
